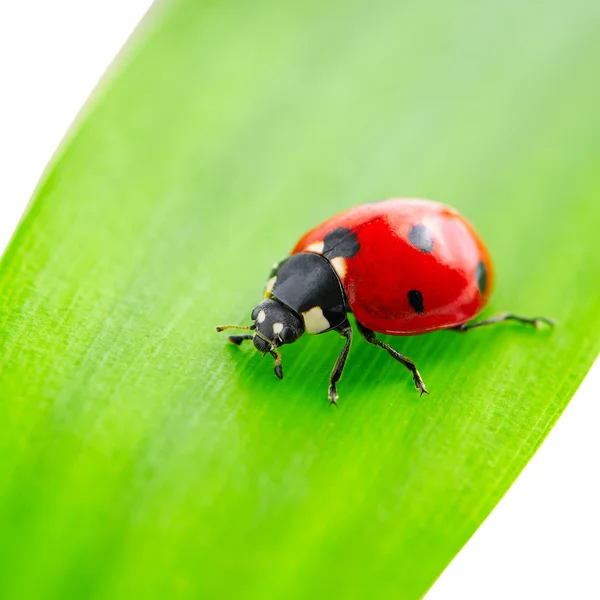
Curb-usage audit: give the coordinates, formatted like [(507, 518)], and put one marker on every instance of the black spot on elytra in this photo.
[(340, 242), (481, 275), (420, 237), (415, 299)]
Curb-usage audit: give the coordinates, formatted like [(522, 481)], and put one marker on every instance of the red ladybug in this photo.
[(401, 266)]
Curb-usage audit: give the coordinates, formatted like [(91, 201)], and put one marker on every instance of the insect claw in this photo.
[(333, 396), (541, 321)]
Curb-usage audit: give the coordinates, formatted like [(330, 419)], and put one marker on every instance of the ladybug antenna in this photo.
[(244, 327), (258, 334)]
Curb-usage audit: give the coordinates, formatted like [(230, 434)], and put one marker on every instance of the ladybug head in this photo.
[(274, 325)]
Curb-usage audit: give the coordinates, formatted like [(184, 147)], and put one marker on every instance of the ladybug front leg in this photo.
[(346, 331), (238, 339), (409, 364), (506, 316)]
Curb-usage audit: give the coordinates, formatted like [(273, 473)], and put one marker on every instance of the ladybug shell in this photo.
[(407, 266)]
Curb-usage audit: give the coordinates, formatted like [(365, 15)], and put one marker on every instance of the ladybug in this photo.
[(400, 266)]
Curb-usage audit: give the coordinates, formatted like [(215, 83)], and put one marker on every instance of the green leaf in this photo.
[(141, 455)]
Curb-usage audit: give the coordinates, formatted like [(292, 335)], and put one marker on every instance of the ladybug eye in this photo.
[(287, 335), (255, 313)]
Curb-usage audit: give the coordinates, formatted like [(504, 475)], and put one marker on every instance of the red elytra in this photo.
[(451, 267), (402, 267)]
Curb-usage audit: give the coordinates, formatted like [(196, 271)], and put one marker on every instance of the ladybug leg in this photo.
[(278, 369), (238, 339), (409, 364), (344, 330), (506, 316)]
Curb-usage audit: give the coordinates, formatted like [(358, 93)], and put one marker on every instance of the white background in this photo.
[(543, 539)]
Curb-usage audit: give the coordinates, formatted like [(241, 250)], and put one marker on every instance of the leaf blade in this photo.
[(160, 219)]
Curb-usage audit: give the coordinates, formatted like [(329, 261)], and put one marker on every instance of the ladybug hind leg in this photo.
[(409, 364), (506, 316), (345, 330)]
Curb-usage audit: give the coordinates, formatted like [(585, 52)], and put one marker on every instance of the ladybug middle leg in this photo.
[(409, 364), (345, 330), (506, 316)]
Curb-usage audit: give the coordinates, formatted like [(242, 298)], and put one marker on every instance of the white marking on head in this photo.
[(260, 317), (270, 284), (339, 264), (315, 321), (277, 328), (316, 247)]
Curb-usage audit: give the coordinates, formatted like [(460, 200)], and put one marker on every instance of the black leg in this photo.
[(238, 339), (506, 316), (278, 369), (346, 331), (409, 364)]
